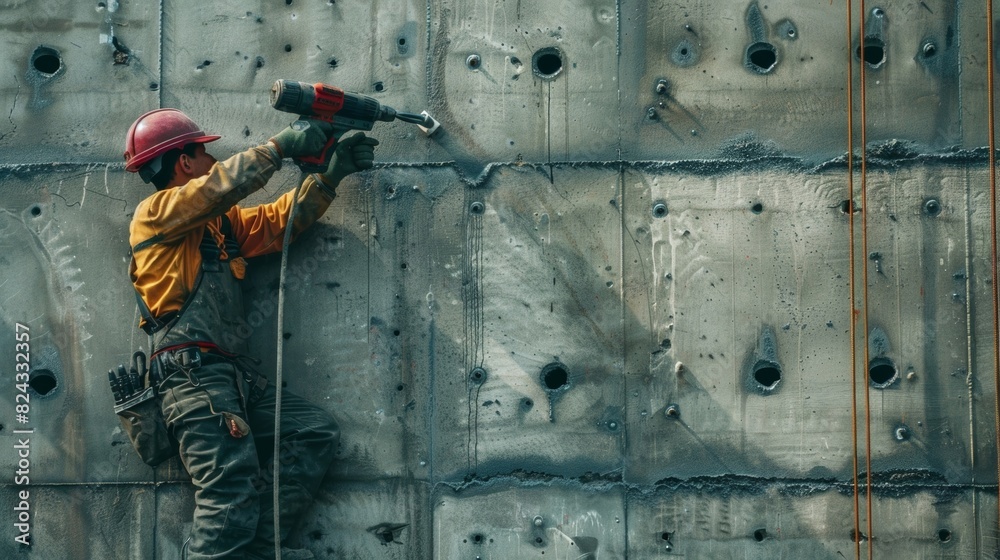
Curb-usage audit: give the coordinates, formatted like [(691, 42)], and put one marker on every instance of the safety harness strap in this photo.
[(209, 257)]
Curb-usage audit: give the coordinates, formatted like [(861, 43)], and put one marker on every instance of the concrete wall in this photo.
[(605, 313)]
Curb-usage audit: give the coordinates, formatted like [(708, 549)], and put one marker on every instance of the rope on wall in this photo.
[(290, 225)]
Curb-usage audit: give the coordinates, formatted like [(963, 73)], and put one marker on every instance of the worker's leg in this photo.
[(309, 439), (222, 465)]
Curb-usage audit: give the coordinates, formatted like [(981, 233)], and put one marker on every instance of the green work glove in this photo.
[(353, 154), (304, 137)]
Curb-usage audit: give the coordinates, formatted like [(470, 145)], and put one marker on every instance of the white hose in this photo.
[(289, 226)]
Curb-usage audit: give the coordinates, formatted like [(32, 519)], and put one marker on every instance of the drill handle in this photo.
[(318, 163)]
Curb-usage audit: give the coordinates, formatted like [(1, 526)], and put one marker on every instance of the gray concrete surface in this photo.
[(596, 317)]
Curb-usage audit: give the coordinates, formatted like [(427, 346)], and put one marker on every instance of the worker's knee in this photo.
[(333, 429), (318, 420)]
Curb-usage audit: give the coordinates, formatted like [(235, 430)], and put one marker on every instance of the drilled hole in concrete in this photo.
[(787, 30), (665, 536), (672, 411), (684, 54), (378, 86), (901, 433), (288, 48), (929, 49), (944, 535), (332, 63), (153, 86), (477, 376), (547, 62), (848, 207), (473, 61), (932, 207), (757, 208), (36, 211), (873, 52), (659, 210), (46, 61), (527, 403), (555, 376), (761, 57), (477, 207), (42, 381), (477, 538), (767, 374), (878, 12), (759, 535), (882, 372)]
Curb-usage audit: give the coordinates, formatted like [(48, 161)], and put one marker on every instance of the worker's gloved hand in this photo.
[(353, 154), (304, 137)]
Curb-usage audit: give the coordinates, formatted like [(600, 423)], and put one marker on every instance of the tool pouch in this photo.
[(138, 409), (143, 423)]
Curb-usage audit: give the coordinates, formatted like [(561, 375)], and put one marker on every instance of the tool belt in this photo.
[(188, 357), (136, 390)]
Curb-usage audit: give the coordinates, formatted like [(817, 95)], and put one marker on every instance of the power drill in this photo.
[(345, 110)]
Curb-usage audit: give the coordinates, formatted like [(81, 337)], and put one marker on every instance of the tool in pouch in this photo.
[(139, 411)]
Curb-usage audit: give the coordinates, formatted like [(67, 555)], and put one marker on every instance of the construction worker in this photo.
[(189, 243)]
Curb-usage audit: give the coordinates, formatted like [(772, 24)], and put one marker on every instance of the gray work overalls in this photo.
[(223, 419)]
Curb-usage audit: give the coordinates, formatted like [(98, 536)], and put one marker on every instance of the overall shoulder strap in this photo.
[(152, 324)]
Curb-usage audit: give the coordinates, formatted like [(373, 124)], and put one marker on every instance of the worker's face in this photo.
[(199, 164)]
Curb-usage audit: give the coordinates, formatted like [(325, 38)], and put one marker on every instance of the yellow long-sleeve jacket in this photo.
[(168, 226)]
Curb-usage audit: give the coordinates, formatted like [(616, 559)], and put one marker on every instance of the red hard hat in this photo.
[(157, 132)]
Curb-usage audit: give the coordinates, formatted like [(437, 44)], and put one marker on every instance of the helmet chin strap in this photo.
[(151, 169)]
